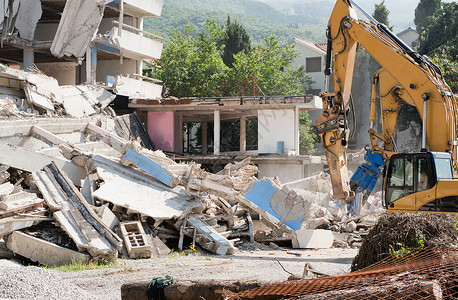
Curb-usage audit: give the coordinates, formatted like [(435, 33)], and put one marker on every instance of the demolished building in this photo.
[(78, 182)]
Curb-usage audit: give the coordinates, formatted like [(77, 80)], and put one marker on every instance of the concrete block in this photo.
[(135, 239), (42, 251), (313, 238)]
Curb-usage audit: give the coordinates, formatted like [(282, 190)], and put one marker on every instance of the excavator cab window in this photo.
[(400, 179), (407, 174)]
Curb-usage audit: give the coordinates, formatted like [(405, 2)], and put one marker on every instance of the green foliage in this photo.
[(307, 137), (192, 66), (399, 250), (439, 40), (443, 58), (258, 19), (442, 29), (425, 9), (381, 14), (77, 265), (236, 40)]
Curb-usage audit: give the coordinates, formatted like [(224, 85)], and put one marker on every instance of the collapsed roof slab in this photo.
[(31, 161), (74, 215), (78, 24), (156, 201), (43, 252)]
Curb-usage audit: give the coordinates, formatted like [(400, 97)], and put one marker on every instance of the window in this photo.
[(443, 168), (313, 64), (400, 179)]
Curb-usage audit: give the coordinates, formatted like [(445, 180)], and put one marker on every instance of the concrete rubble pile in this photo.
[(79, 183), (348, 222)]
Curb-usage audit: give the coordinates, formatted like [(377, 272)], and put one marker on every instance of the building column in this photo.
[(204, 138), (94, 66), (178, 133), (242, 133), (88, 65), (216, 132), (29, 59), (296, 129)]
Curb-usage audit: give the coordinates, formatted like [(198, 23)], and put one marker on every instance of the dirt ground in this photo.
[(256, 264)]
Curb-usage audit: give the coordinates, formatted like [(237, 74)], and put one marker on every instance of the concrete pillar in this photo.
[(296, 130), (178, 133), (89, 65), (242, 133), (28, 58), (94, 65), (204, 138), (216, 132)]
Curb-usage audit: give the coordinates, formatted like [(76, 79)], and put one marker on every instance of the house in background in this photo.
[(409, 36), (313, 58)]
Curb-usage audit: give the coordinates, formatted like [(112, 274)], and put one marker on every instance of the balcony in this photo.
[(141, 8), (136, 46)]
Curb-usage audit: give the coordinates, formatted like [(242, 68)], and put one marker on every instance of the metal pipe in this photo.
[(423, 133), (372, 19)]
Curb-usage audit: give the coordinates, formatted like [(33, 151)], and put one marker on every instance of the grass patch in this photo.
[(76, 266)]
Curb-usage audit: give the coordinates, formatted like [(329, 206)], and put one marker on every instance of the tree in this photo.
[(438, 40), (425, 9), (236, 40), (307, 137), (191, 65), (381, 14), (269, 66)]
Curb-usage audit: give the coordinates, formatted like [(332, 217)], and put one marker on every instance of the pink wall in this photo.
[(160, 129)]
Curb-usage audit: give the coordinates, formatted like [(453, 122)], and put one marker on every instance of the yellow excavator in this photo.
[(419, 181)]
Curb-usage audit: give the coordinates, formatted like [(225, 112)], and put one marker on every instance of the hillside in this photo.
[(258, 18), (305, 19), (401, 12)]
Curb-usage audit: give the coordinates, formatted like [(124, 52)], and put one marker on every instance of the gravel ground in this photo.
[(259, 264)]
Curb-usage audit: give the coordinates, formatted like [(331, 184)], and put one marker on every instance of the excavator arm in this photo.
[(414, 77)]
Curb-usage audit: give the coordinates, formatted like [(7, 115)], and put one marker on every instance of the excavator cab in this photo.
[(420, 182)]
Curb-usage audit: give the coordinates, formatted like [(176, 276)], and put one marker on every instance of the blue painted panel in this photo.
[(261, 193), (149, 166), (106, 47)]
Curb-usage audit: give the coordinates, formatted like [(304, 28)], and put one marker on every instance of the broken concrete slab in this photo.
[(28, 14), (75, 216), (6, 189), (79, 23), (118, 143), (10, 224), (288, 207), (19, 201), (108, 217), (149, 166), (208, 238), (42, 251), (31, 161), (136, 89), (155, 201), (313, 238)]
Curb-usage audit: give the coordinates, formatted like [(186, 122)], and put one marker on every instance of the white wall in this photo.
[(274, 126), (305, 52), (409, 37), (114, 67)]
